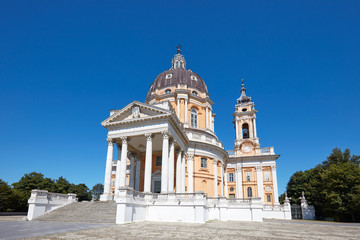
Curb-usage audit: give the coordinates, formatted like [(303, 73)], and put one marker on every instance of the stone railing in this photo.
[(267, 151), (42, 201), (203, 136)]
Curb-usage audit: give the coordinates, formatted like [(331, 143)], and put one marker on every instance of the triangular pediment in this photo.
[(135, 111)]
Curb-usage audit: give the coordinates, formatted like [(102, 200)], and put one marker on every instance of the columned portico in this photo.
[(190, 169), (148, 163), (171, 166), (182, 176), (215, 179), (165, 162), (131, 176), (108, 169), (124, 153), (260, 183), (137, 174), (178, 171), (118, 169)]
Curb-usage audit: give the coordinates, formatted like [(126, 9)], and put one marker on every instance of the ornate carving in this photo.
[(110, 141), (190, 156), (124, 139), (258, 168), (149, 136), (165, 134), (135, 112), (215, 161), (273, 167), (238, 168)]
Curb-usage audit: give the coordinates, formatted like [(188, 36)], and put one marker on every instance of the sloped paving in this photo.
[(86, 212)]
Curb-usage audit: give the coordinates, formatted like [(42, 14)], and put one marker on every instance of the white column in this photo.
[(213, 123), (178, 107), (108, 169), (222, 179), (260, 183), (137, 174), (238, 182), (165, 162), (171, 167), (215, 179), (186, 111), (132, 166), (178, 172), (183, 173), (275, 186), (148, 163), (118, 169), (255, 134), (226, 186), (123, 162), (207, 118), (190, 169)]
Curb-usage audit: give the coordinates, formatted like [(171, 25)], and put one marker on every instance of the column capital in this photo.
[(259, 168), (273, 167), (110, 141), (149, 136), (165, 134), (238, 169), (124, 139), (215, 161), (190, 156)]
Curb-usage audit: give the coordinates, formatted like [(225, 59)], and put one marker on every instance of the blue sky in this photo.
[(64, 64)]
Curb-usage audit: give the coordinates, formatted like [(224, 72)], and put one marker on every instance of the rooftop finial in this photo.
[(178, 61), (242, 80)]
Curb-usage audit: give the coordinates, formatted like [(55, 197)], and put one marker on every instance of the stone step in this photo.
[(90, 212)]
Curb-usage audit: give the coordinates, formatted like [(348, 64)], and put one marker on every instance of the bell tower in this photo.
[(246, 142)]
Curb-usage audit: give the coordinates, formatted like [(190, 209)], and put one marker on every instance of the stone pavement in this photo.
[(270, 229), (25, 229)]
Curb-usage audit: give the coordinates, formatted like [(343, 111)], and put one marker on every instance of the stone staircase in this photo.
[(89, 212)]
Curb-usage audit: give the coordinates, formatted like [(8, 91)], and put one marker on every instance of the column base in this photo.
[(106, 197)]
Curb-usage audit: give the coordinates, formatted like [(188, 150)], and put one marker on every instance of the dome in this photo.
[(176, 75)]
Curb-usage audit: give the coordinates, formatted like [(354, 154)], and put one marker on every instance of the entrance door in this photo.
[(157, 186)]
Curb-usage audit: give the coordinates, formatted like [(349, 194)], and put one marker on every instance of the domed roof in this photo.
[(178, 75)]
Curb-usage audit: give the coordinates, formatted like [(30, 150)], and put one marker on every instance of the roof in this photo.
[(176, 76)]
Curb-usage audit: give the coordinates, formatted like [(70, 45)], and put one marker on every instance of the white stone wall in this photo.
[(42, 201)]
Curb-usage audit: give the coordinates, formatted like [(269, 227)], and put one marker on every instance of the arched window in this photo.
[(194, 93), (194, 118), (245, 130), (167, 91), (249, 192)]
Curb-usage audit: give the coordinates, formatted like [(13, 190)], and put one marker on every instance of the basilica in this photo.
[(171, 166)]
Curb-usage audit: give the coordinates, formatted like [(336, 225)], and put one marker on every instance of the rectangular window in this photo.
[(248, 176), (267, 176), (203, 162), (231, 196), (231, 177), (158, 160), (268, 198)]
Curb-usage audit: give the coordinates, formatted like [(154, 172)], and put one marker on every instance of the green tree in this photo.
[(62, 185), (22, 189), (332, 187), (81, 191), (5, 193), (97, 190)]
